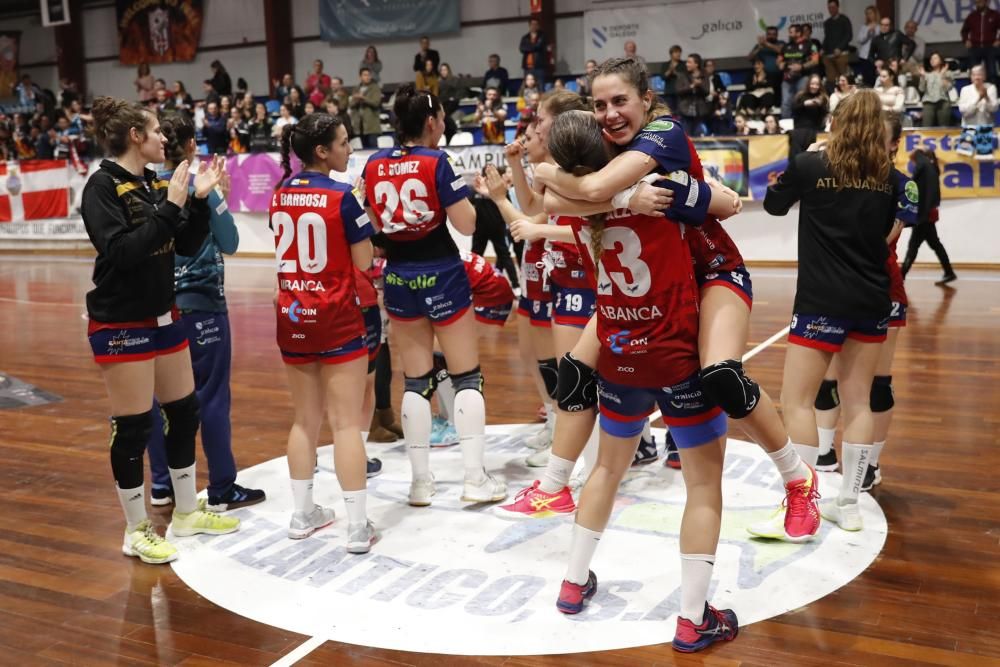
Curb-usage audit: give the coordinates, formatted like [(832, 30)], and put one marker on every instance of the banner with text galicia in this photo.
[(713, 28), (158, 31), (359, 20)]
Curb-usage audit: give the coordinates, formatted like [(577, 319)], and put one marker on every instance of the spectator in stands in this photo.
[(308, 108), (225, 104), (365, 106), (889, 90), (209, 93), (215, 130), (771, 125), (373, 64), (317, 84), (914, 54), (239, 131), (797, 53), (814, 63), (631, 52), (162, 101), (583, 82), (934, 86), (428, 79), (844, 89), (867, 32), (491, 115), (673, 67), (718, 100), (296, 103), (809, 111), (740, 127), (692, 94), (285, 117), (45, 144), (981, 34), (220, 79), (534, 52), (259, 130), (888, 44), (759, 97), (768, 50), (528, 114), (282, 89), (977, 101), (245, 104), (337, 111), (491, 228), (450, 92), (182, 101), (837, 34), (423, 55), (529, 87), (68, 91), (496, 77), (340, 95), (28, 93), (144, 83)]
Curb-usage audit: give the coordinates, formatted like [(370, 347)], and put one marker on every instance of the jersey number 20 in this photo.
[(415, 210), (310, 230)]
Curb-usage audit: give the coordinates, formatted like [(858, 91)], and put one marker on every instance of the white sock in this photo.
[(416, 417), (185, 492), (470, 422), (826, 438), (302, 495), (647, 432), (789, 463), (856, 458), (696, 575), (808, 453), (446, 399), (550, 418), (133, 504), (357, 506), (582, 546), (556, 476), (590, 450), (876, 453)]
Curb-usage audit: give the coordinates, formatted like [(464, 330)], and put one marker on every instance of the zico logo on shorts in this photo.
[(295, 311), (419, 282)]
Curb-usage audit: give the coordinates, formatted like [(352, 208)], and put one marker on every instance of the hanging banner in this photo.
[(158, 31), (365, 20), (962, 176), (9, 48), (938, 20)]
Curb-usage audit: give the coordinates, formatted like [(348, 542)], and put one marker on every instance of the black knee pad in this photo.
[(129, 435), (468, 380), (727, 385), (827, 398), (180, 426), (881, 397), (577, 387), (424, 386), (549, 370)]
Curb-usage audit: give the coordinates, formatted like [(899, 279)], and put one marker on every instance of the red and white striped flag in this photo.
[(33, 190)]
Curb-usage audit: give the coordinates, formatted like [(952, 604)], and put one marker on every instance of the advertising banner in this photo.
[(938, 20), (962, 176), (363, 20), (158, 31)]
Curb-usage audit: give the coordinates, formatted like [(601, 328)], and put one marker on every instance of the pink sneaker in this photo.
[(718, 625), (802, 518), (533, 503), (573, 596)]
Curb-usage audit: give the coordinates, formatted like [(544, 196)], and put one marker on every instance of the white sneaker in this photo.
[(421, 490), (847, 516), (361, 537), (540, 440), (487, 490), (539, 459), (147, 545), (304, 524)]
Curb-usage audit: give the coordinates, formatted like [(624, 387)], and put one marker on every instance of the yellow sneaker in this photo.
[(203, 521), (146, 544)]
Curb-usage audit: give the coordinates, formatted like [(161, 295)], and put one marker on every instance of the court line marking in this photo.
[(300, 651)]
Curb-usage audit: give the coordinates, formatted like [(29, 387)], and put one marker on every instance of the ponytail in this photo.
[(412, 109), (316, 129), (286, 154)]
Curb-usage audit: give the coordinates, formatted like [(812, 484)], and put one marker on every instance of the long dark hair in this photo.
[(412, 109), (179, 130), (927, 154), (316, 129)]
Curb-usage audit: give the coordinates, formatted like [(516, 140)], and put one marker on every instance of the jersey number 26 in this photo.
[(415, 210)]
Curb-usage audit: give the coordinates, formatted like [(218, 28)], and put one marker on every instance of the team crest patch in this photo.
[(659, 126), (912, 192)]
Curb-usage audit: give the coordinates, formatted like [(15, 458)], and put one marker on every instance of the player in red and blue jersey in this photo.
[(322, 237), (647, 314), (411, 190)]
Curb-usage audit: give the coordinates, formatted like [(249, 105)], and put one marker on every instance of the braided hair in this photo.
[(179, 131), (316, 129)]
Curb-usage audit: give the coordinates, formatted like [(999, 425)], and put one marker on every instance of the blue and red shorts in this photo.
[(120, 342), (829, 333), (737, 280), (438, 290), (373, 333), (539, 312), (693, 418), (349, 351), (495, 315), (897, 318), (573, 306)]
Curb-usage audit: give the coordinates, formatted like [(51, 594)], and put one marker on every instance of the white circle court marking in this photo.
[(459, 579)]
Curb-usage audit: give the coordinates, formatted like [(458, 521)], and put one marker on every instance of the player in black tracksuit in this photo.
[(136, 221)]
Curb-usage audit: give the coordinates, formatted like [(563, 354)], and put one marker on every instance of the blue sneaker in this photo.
[(646, 452), (374, 467), (443, 433), (161, 495), (718, 625), (237, 496), (673, 457)]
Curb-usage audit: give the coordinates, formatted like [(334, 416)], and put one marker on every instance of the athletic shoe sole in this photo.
[(161, 502), (145, 559), (645, 459), (827, 468), (302, 533), (225, 507)]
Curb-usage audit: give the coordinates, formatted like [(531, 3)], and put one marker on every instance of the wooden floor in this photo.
[(67, 595)]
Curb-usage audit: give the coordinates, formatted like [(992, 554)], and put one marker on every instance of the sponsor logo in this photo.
[(301, 285), (661, 126), (763, 24), (608, 396), (296, 312), (638, 313), (298, 336), (125, 339), (417, 282), (719, 26), (626, 369)]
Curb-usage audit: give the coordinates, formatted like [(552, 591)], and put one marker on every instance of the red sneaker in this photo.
[(718, 625), (533, 503), (573, 596), (802, 518)]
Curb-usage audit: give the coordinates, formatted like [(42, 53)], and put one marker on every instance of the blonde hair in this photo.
[(632, 72), (856, 150)]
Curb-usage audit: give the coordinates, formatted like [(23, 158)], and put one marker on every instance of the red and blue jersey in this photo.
[(489, 286), (567, 265), (316, 220), (536, 286), (409, 188), (907, 199)]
